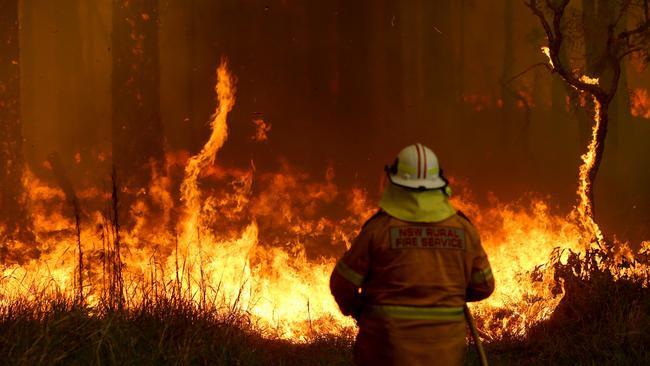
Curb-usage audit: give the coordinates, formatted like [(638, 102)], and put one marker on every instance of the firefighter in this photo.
[(411, 269)]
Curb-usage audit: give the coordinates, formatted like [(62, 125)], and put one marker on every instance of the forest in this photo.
[(178, 177)]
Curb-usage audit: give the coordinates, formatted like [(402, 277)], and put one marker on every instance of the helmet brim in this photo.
[(434, 183)]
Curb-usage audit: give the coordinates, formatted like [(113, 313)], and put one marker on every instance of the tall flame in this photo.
[(584, 209), (189, 188)]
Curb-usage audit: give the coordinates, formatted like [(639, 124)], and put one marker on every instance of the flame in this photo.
[(189, 189), (519, 239), (547, 52), (268, 254), (584, 209), (589, 80), (640, 103), (261, 130), (261, 245)]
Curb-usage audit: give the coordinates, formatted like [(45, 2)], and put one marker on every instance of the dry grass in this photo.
[(602, 320), (164, 333)]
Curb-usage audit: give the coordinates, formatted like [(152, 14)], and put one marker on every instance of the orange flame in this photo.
[(584, 209), (266, 253), (261, 130), (547, 51), (640, 103), (189, 189)]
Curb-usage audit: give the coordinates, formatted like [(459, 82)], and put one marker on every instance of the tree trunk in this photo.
[(589, 171), (601, 135), (13, 218), (597, 16), (507, 94), (136, 121), (509, 130), (460, 67)]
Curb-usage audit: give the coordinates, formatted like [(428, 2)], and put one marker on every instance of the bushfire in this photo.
[(260, 245)]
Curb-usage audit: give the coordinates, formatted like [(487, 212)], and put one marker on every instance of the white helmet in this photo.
[(416, 166)]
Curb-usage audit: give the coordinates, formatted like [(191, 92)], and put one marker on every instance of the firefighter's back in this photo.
[(415, 291)]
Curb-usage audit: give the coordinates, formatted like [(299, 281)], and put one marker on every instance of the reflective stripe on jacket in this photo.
[(438, 314)]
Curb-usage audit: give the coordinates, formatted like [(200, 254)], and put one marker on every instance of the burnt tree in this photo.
[(136, 121), (597, 15), (605, 60), (13, 218)]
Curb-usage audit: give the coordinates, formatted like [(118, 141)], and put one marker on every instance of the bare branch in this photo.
[(545, 64), (532, 4), (629, 52), (640, 29), (555, 40), (624, 7)]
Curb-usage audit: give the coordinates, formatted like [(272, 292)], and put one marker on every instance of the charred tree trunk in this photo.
[(599, 139), (561, 93), (598, 16), (595, 36), (136, 121), (13, 218)]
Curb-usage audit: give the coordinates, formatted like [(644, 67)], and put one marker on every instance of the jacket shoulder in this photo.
[(376, 217), (468, 226), (462, 214)]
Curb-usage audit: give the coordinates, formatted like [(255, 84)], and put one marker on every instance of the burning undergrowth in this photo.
[(262, 244)]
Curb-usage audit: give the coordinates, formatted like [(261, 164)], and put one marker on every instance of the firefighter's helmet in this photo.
[(416, 166)]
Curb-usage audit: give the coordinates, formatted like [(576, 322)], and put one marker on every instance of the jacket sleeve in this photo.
[(349, 274), (481, 280)]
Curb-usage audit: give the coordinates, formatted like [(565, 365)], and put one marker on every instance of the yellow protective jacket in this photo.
[(406, 284)]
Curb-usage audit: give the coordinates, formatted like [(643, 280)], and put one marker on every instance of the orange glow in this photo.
[(270, 277), (640, 103), (261, 130), (190, 192), (547, 51), (583, 212), (263, 245), (584, 209)]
